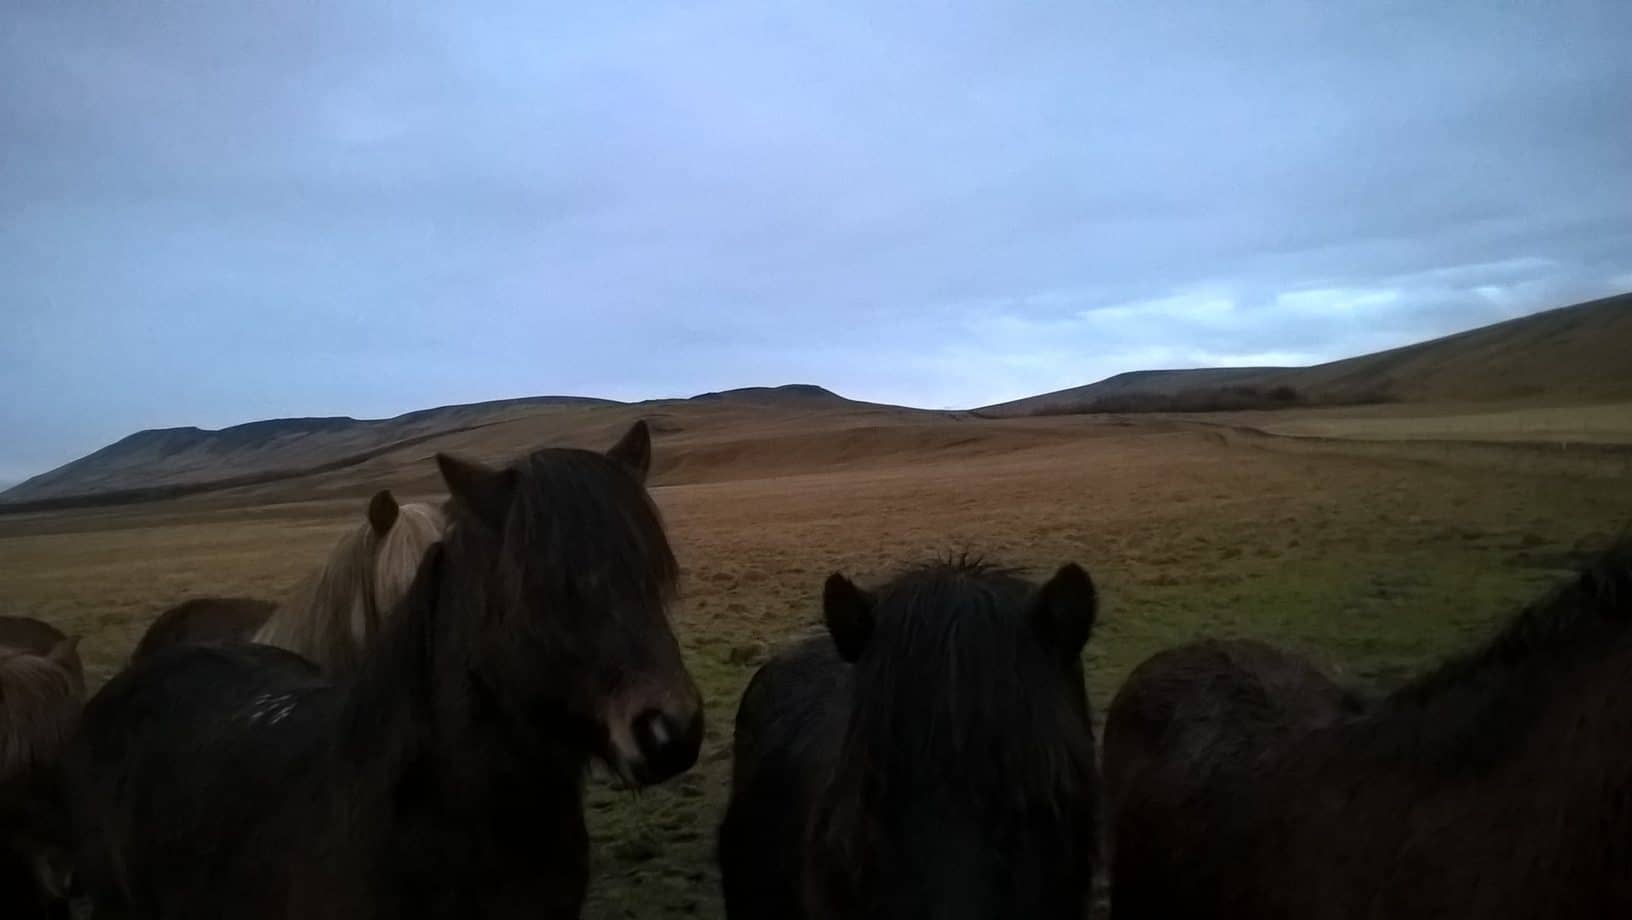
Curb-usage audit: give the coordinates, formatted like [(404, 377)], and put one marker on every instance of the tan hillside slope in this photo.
[(1575, 354), (178, 461)]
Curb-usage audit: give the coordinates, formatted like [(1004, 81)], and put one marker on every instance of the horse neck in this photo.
[(416, 704), (1557, 714)]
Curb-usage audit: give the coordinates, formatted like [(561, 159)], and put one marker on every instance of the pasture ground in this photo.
[(1378, 562)]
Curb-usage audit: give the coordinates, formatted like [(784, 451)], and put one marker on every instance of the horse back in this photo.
[(178, 761)]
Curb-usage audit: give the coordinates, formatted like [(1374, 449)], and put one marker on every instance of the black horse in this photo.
[(934, 758), (444, 778)]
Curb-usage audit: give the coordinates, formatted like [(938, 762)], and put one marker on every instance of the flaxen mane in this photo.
[(330, 616)]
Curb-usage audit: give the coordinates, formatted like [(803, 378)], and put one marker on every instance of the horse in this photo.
[(933, 756), (1494, 786), (40, 699), (330, 616), (444, 776)]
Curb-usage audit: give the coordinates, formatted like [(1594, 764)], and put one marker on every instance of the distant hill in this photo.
[(168, 457), (1573, 354), (792, 394), (165, 462)]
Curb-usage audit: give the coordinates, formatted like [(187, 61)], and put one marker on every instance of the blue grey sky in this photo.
[(212, 213)]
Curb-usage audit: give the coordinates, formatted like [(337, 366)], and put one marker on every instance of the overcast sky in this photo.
[(217, 212)]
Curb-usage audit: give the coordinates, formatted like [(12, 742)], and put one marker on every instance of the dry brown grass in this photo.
[(1375, 563)]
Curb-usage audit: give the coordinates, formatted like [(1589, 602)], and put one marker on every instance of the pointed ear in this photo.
[(486, 492), (634, 450), (1064, 610), (382, 512), (849, 614)]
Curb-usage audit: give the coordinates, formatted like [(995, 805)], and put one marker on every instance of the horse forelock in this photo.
[(957, 707), (582, 518)]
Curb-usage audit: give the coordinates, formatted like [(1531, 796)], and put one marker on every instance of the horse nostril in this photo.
[(666, 747)]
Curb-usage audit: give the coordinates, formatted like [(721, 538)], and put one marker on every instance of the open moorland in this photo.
[(1376, 538), (1377, 557)]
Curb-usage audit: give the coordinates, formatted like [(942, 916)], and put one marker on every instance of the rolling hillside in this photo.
[(1581, 353), (167, 462), (1571, 356)]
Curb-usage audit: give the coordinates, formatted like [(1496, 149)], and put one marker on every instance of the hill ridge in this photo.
[(1572, 352), (1576, 353)]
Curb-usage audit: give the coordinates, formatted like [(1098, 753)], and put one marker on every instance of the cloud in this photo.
[(216, 215)]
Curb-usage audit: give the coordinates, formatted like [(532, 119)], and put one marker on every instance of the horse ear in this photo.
[(849, 614), (382, 511), (634, 450), (1064, 610), (486, 492)]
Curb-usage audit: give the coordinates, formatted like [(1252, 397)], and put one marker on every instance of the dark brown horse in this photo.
[(1497, 786), (40, 699), (444, 778), (933, 758)]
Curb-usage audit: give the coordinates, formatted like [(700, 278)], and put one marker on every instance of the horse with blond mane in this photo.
[(330, 615)]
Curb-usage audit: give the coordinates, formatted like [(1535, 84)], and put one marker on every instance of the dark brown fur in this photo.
[(1498, 786), (934, 758), (444, 778), (1216, 704)]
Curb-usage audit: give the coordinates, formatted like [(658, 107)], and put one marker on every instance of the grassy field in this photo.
[(1605, 423), (1376, 564)]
